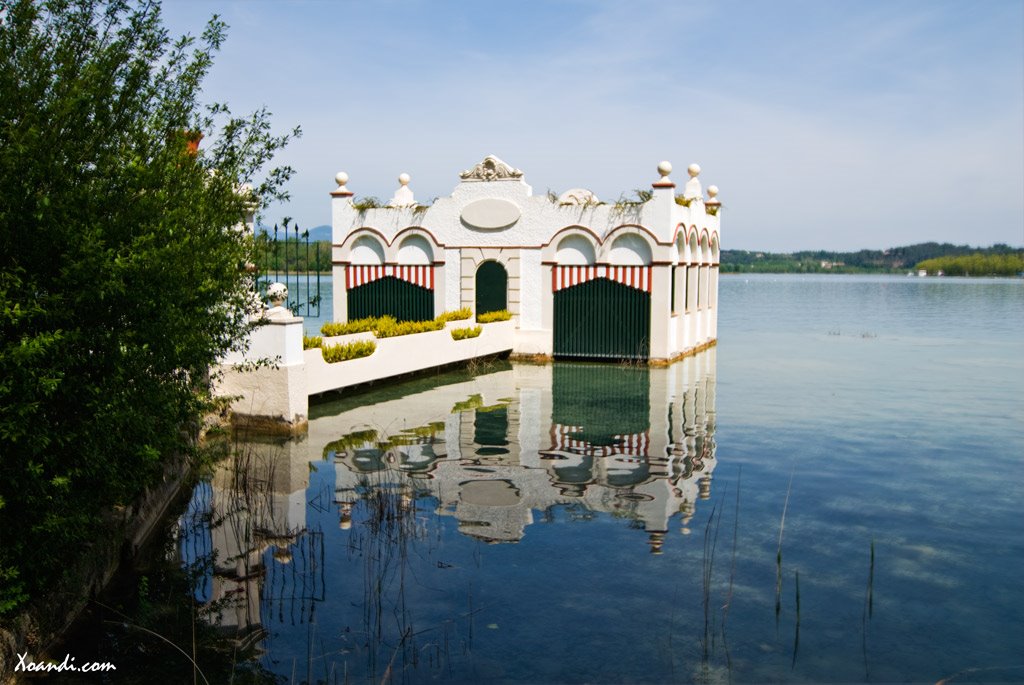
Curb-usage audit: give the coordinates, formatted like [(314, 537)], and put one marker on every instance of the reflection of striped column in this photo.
[(638, 277), (361, 274), (632, 444)]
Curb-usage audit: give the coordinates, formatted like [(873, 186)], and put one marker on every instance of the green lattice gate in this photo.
[(602, 319), (393, 297)]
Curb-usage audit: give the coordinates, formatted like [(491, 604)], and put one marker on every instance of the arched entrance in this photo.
[(491, 287)]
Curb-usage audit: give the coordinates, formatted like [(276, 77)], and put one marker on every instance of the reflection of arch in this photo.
[(366, 249), (418, 459), (623, 472), (491, 287), (415, 249), (573, 469), (575, 249), (367, 460)]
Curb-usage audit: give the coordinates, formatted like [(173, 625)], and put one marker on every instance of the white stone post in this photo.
[(340, 195), (267, 382)]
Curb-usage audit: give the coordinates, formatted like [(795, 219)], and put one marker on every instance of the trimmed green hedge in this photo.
[(334, 328), (311, 341), (457, 315), (464, 333), (389, 328), (491, 317), (353, 350)]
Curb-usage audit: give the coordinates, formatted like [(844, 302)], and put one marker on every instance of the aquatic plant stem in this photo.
[(868, 609), (161, 637), (796, 636), (778, 551), (732, 567)]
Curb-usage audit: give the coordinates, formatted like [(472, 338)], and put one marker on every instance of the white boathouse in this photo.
[(581, 278)]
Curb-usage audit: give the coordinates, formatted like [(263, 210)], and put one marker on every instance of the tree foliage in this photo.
[(976, 264), (120, 256)]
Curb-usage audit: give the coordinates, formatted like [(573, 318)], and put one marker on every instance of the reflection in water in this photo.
[(492, 453), (634, 442), (250, 523)]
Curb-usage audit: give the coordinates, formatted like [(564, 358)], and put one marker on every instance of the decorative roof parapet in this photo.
[(403, 197), (693, 190), (341, 178), (491, 169), (664, 169), (578, 196)]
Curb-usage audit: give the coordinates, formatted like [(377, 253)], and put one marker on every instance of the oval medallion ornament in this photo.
[(490, 214)]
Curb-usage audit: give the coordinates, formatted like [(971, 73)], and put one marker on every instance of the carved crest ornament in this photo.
[(491, 169)]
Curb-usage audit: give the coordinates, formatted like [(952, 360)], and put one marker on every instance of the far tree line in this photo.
[(953, 260), (298, 253)]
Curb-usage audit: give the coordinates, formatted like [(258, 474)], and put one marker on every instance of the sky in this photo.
[(826, 125)]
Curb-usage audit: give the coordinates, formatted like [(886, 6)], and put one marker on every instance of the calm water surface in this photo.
[(832, 494)]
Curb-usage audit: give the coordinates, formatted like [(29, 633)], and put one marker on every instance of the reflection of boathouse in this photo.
[(497, 453), (246, 531), (636, 442), (584, 278)]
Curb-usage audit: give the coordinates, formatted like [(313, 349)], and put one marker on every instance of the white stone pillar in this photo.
[(267, 382)]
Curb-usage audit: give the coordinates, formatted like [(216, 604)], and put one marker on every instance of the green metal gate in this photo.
[(602, 319), (392, 297), (491, 287)]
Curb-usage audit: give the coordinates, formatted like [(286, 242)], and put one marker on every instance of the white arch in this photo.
[(367, 250), (415, 249), (630, 249), (705, 249), (681, 248), (575, 250)]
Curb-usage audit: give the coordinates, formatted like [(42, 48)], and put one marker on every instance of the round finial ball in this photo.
[(712, 191), (664, 168), (341, 177), (693, 170), (404, 179)]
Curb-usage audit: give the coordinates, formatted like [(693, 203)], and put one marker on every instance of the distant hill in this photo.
[(893, 260), (315, 234)]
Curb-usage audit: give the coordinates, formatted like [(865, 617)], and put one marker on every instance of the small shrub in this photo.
[(353, 350), (490, 317), (457, 315), (464, 333), (333, 328), (683, 201), (387, 327), (364, 203), (311, 341)]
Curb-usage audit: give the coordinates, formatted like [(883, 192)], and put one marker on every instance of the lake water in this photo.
[(833, 494)]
